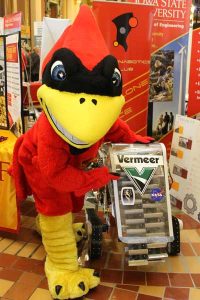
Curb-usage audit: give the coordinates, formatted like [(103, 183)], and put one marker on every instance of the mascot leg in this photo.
[(65, 278), (78, 228)]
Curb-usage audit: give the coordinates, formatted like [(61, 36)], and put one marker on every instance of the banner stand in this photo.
[(13, 127)]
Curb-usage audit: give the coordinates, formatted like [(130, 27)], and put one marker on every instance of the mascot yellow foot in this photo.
[(65, 278)]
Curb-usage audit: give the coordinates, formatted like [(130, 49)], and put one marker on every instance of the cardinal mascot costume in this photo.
[(81, 98)]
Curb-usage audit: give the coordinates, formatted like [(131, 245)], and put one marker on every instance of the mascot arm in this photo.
[(121, 132), (61, 175)]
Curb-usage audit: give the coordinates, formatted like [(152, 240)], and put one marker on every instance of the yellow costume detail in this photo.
[(81, 120), (79, 230), (65, 278)]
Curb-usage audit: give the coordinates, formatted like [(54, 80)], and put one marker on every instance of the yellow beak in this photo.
[(80, 119)]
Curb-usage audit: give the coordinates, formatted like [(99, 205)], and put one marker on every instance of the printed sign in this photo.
[(138, 161), (38, 33), (185, 166), (139, 168), (13, 83), (12, 23), (12, 53)]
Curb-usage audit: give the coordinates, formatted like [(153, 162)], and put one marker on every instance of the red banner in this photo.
[(12, 23), (194, 85), (127, 31)]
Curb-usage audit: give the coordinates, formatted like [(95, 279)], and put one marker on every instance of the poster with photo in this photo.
[(13, 82), (163, 123), (161, 76), (184, 166), (162, 113), (170, 37)]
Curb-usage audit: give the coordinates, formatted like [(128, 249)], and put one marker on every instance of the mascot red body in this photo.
[(81, 100)]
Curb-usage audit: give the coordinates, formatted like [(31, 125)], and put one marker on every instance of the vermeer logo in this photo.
[(3, 168), (137, 160), (141, 178)]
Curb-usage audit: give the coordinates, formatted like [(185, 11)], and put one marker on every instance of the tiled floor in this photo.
[(22, 260)]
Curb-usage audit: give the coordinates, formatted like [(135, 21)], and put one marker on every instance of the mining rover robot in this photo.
[(139, 202)]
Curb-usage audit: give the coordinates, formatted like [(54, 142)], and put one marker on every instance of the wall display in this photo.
[(127, 32), (38, 33), (193, 108), (184, 165), (168, 66)]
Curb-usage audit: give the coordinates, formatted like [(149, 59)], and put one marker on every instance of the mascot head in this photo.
[(81, 92)]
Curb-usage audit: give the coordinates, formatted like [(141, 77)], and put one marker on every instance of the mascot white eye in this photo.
[(58, 71), (116, 77)]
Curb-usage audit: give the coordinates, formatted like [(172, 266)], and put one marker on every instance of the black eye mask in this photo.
[(65, 72)]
